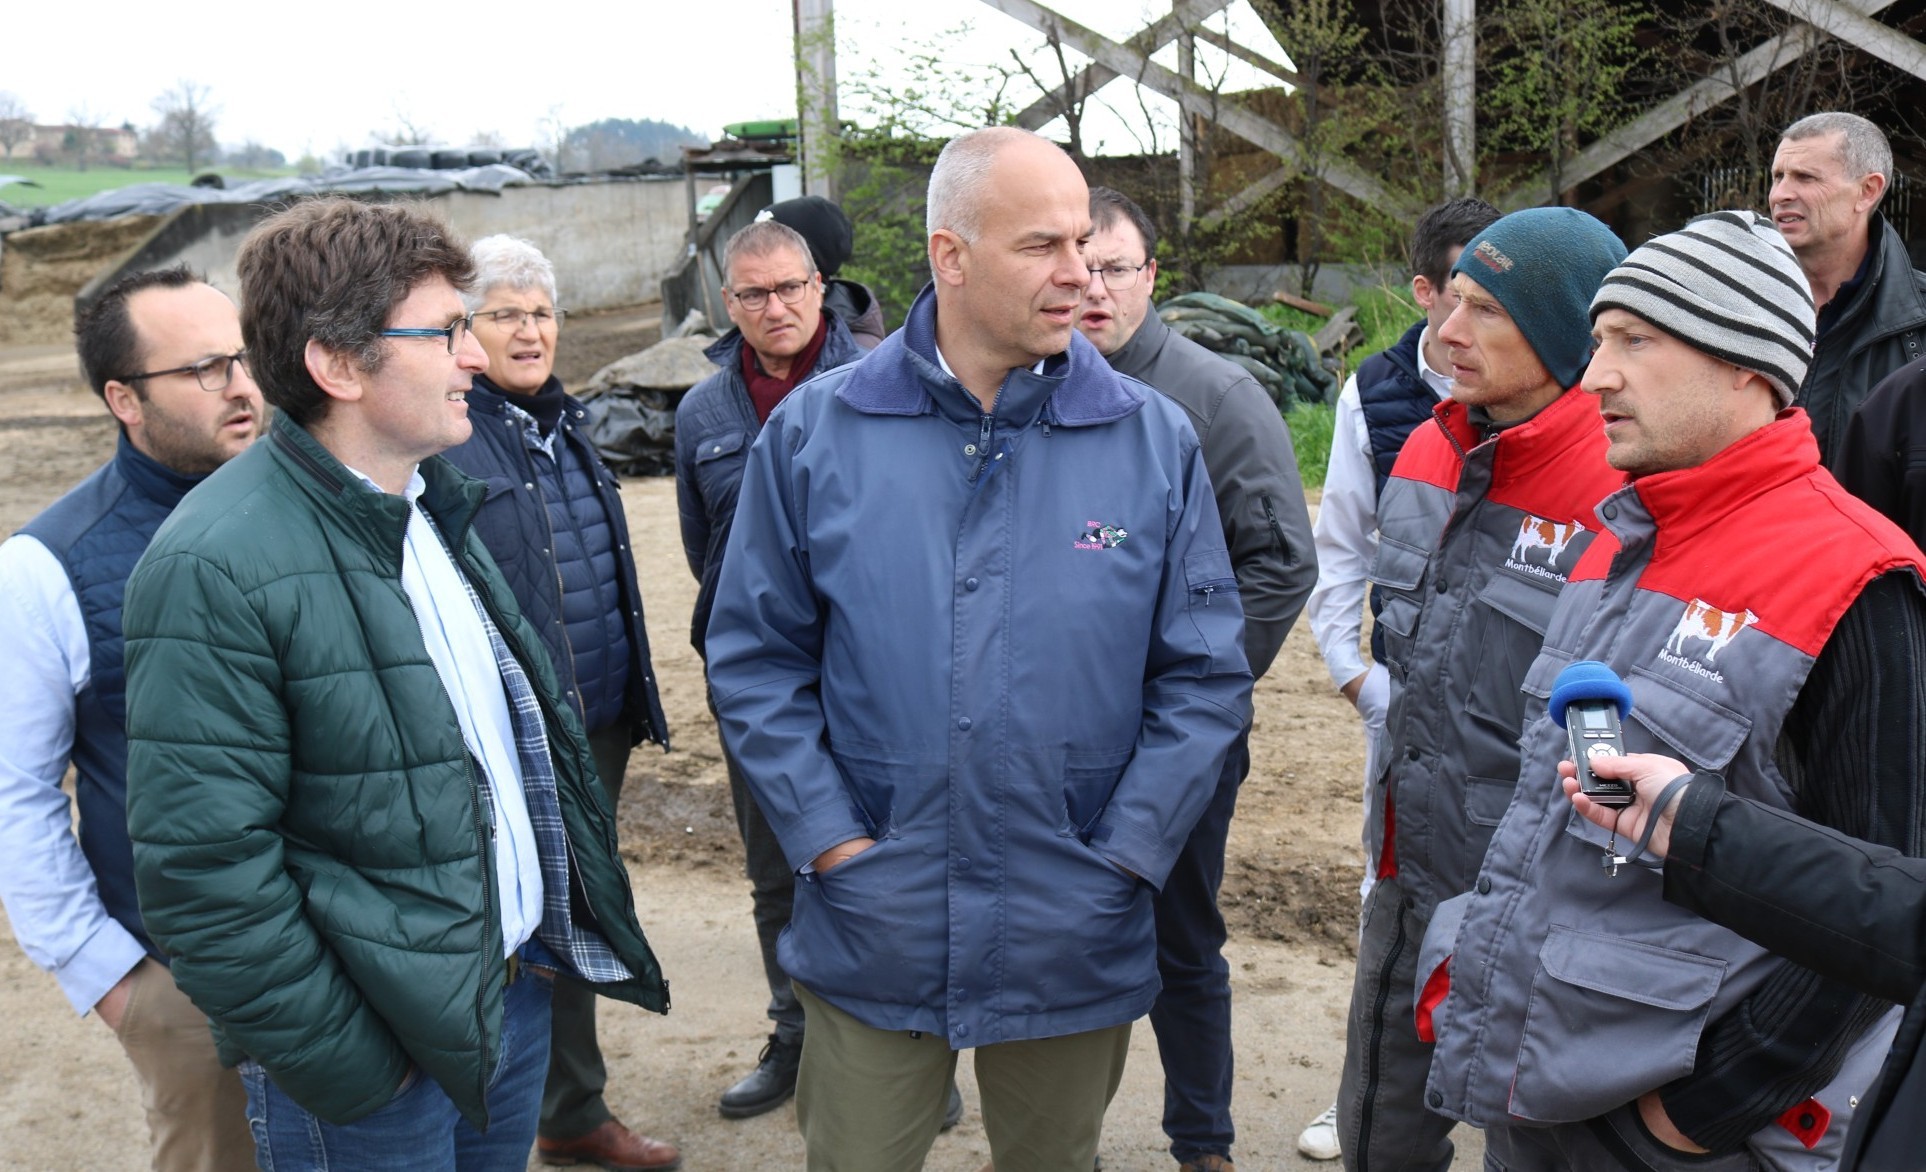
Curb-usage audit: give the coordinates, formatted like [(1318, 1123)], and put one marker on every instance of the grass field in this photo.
[(60, 184)]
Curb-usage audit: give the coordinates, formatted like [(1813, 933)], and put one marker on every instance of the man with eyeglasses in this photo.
[(1260, 501), (365, 818), (782, 337), (162, 349), (553, 521)]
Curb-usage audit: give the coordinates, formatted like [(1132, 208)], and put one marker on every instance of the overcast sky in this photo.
[(316, 77)]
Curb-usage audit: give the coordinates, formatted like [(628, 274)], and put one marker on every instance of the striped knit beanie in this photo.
[(1543, 265), (1727, 284)]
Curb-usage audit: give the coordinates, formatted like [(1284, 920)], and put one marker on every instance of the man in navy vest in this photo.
[(163, 351), (1389, 394)]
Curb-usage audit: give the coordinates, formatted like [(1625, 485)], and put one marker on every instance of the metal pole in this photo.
[(816, 94), (1460, 27)]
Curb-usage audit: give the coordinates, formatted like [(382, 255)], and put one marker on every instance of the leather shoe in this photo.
[(768, 1086), (612, 1146)]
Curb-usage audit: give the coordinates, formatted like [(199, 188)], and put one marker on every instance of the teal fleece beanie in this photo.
[(1544, 265)]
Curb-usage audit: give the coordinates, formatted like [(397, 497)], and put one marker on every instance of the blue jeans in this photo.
[(419, 1130)]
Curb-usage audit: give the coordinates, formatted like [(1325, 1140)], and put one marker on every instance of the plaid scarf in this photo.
[(583, 949)]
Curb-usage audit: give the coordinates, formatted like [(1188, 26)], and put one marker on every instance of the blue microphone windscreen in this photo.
[(1589, 679)]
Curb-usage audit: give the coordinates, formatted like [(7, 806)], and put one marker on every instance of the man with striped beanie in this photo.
[(1768, 625)]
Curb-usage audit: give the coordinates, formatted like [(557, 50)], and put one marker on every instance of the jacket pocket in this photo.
[(1089, 778), (1701, 730), (1399, 569), (1210, 582), (871, 927), (1512, 614), (718, 464), (1608, 1019)]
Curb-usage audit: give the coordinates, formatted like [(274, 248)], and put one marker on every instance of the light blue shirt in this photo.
[(46, 883), (458, 645)]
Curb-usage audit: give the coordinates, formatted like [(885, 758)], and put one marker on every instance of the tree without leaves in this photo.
[(16, 123), (186, 128)]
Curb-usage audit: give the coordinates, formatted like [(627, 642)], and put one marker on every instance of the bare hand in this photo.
[(113, 1005), (1653, 1112), (1649, 773), (842, 852), (1355, 686)]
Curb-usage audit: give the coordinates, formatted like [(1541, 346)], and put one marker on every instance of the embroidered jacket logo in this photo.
[(1097, 535), (1539, 545), (1703, 623)]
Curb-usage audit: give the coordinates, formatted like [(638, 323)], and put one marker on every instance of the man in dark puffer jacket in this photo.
[(553, 522), (365, 822)]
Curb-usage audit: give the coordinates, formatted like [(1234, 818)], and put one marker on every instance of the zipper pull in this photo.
[(1208, 591)]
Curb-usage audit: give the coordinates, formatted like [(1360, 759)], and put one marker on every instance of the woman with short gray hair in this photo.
[(553, 520)]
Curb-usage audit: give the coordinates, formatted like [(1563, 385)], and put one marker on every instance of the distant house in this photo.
[(48, 143)]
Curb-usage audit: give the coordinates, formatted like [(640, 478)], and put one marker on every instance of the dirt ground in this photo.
[(68, 1101)]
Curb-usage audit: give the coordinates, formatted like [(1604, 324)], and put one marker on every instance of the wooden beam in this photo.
[(1771, 56), (1183, 14), (1881, 40), (1251, 127)]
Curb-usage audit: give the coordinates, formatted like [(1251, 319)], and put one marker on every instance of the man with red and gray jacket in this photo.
[(1487, 509), (1768, 625)]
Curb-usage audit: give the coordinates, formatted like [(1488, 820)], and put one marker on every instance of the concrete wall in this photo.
[(612, 242)]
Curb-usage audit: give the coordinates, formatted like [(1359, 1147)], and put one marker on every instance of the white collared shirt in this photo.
[(459, 647), (1346, 532)]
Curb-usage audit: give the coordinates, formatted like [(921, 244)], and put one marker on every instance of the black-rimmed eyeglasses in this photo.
[(1119, 276), (453, 331), (212, 373), (753, 299)]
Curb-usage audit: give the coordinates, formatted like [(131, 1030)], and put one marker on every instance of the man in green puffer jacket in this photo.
[(364, 821)]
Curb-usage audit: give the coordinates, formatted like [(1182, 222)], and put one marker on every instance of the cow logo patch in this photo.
[(1701, 633), (1540, 545), (1097, 535)]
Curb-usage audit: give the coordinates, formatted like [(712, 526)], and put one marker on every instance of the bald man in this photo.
[(977, 647)]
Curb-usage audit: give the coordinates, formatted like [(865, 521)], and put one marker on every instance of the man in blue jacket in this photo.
[(977, 647), (777, 345)]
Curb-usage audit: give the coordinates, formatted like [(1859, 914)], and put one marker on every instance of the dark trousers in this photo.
[(1192, 1016), (772, 892), (1383, 1123), (572, 1103)]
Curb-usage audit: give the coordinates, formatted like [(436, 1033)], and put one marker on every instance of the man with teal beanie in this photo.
[(1485, 513)]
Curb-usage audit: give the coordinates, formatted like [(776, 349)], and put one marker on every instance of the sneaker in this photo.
[(768, 1086), (1319, 1140), (1206, 1164)]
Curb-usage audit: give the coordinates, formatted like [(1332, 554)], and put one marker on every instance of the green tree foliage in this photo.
[(1552, 75), (624, 142)]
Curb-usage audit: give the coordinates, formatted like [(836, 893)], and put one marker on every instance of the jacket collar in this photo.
[(1689, 501), (486, 398), (1892, 297), (1529, 449), (151, 478), (903, 377), (451, 498), (1140, 353), (839, 349)]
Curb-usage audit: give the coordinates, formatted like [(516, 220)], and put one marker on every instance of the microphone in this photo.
[(1588, 701)]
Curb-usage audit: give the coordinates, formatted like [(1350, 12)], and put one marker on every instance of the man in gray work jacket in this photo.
[(1260, 499)]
